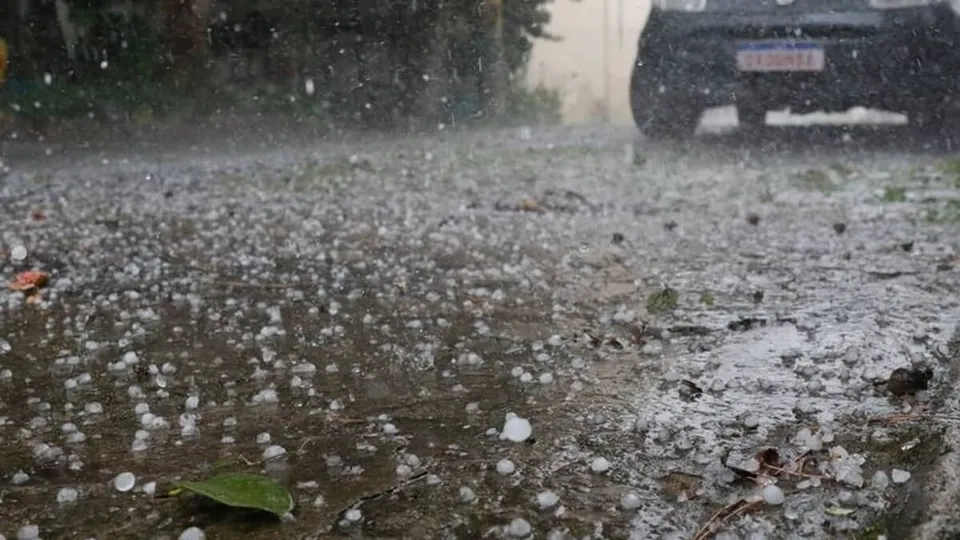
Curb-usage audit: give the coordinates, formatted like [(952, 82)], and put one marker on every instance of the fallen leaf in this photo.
[(242, 490), (839, 511), (29, 282), (664, 300)]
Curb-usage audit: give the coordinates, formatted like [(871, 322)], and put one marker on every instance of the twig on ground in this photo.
[(233, 283), (724, 515)]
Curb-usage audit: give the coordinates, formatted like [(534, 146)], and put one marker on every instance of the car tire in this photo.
[(935, 120), (658, 114), (751, 116)]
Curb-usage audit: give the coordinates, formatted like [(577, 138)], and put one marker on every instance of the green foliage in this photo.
[(894, 194), (663, 301), (539, 104), (121, 60)]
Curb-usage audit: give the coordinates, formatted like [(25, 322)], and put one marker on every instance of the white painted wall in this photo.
[(575, 65)]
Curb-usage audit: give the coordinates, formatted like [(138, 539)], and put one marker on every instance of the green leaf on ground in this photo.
[(244, 491), (663, 300), (816, 180), (894, 194)]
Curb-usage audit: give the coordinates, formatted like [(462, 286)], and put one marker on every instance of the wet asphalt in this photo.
[(697, 331)]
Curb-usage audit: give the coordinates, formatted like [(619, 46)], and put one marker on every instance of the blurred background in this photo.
[(590, 66), (373, 63)]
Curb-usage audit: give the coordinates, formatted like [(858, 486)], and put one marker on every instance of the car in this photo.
[(802, 55)]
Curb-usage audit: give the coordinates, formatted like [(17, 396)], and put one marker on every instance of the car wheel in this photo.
[(939, 119), (751, 116), (658, 113)]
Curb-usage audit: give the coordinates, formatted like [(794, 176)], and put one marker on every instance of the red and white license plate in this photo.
[(773, 56)]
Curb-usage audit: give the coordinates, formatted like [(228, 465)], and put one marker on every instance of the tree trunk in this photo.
[(435, 73), (185, 35)]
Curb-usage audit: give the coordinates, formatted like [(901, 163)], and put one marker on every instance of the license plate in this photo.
[(772, 56)]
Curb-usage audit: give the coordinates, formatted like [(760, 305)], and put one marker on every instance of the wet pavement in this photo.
[(697, 333)]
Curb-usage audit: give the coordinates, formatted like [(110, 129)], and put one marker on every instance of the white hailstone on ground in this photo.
[(263, 438), (467, 495), (267, 395), (18, 253), (630, 501), (880, 480), (28, 532), (433, 480), (546, 378), (67, 495), (150, 489), (773, 495), (130, 358), (124, 481), (899, 476), (516, 429), (404, 471), (389, 429), (273, 451), (547, 499), (505, 467), (193, 533), (600, 465), (526, 377), (192, 402), (353, 515), (519, 528)]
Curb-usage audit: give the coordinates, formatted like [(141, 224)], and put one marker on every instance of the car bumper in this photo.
[(870, 57)]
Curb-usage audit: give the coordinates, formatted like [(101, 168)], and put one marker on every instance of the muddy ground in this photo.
[(662, 314)]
